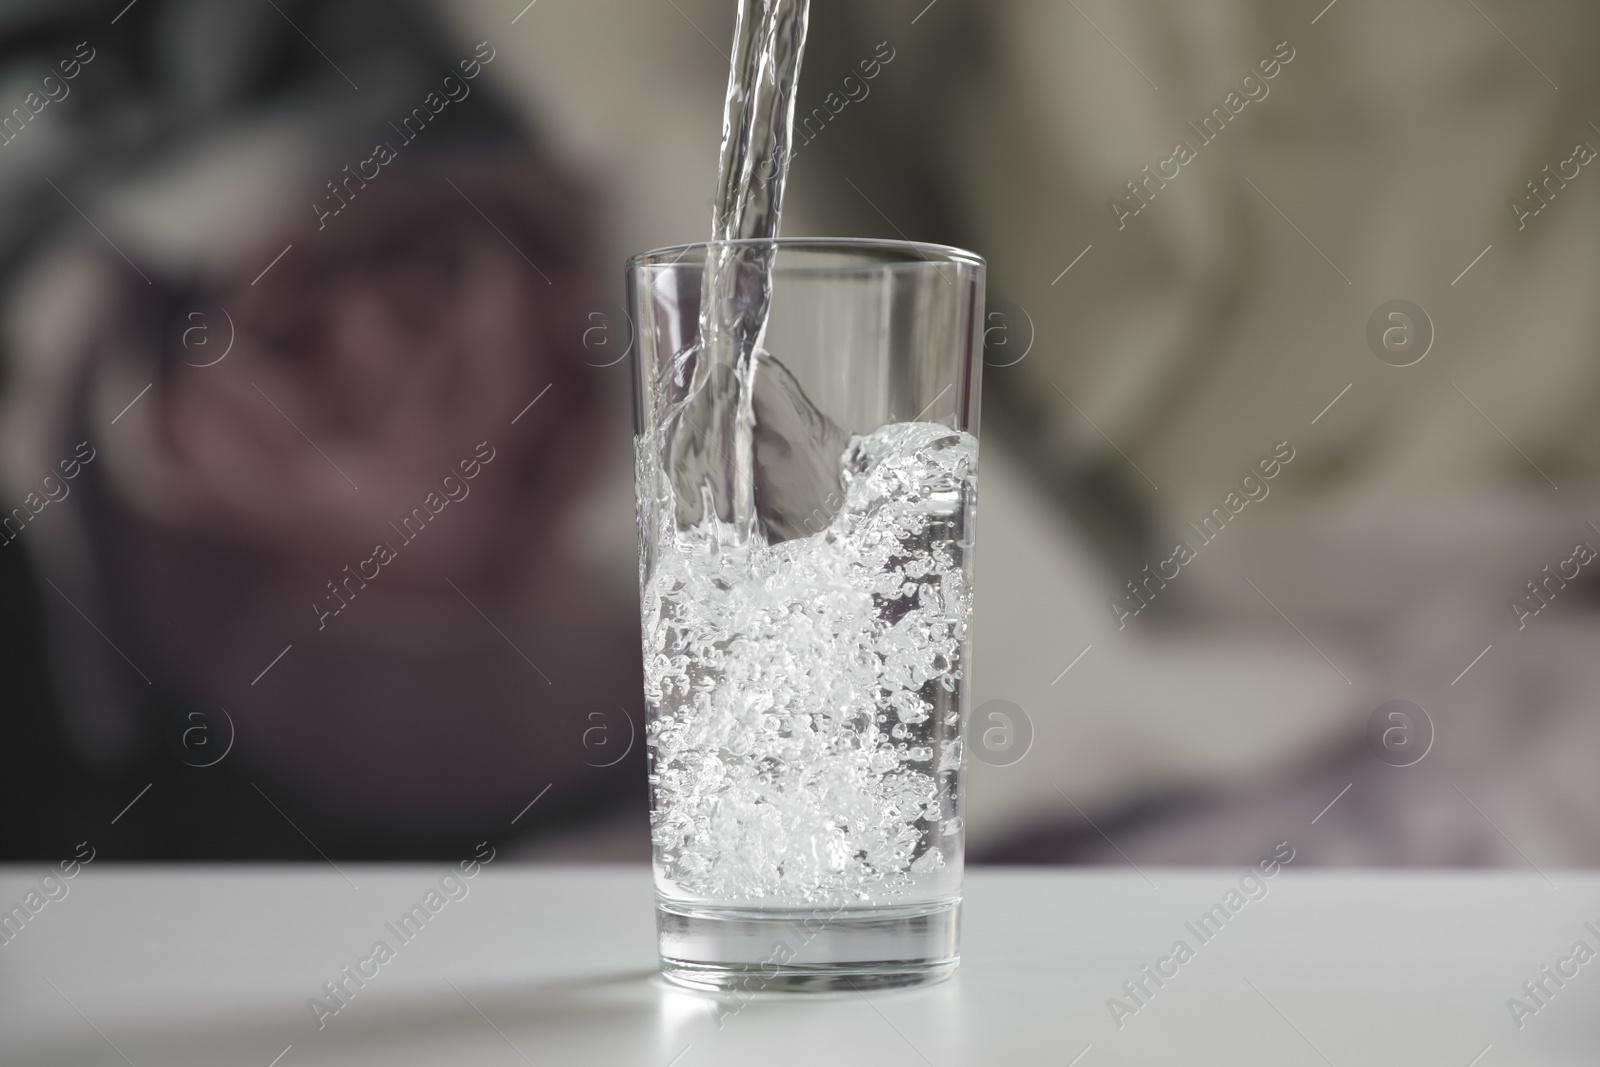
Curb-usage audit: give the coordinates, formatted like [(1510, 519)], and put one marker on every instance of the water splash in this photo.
[(710, 421)]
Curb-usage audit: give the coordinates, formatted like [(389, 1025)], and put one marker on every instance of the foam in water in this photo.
[(804, 694)]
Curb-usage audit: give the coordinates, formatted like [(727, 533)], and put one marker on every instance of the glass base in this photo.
[(822, 949)]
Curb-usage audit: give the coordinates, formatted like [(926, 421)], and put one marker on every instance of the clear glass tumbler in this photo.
[(806, 656)]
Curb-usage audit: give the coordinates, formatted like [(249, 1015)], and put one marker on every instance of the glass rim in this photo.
[(933, 254)]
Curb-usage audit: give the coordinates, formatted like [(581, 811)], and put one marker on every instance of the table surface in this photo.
[(554, 965)]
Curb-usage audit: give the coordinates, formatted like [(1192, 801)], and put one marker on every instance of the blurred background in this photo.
[(318, 527)]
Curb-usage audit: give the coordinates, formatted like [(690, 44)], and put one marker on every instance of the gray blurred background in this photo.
[(1164, 320)]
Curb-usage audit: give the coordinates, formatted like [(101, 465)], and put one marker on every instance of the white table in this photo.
[(161, 967)]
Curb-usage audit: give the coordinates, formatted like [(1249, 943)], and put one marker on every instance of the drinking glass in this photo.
[(806, 663)]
